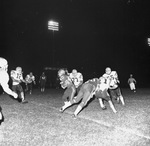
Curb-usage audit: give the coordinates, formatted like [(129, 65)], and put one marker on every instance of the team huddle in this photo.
[(104, 88)]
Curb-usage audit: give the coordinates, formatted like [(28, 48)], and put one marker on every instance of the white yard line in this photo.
[(96, 121)]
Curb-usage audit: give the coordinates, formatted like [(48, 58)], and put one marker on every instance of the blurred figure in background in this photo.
[(42, 82), (132, 82), (30, 80)]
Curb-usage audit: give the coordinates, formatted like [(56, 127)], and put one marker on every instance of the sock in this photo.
[(112, 106), (67, 104), (122, 100), (77, 110), (101, 103)]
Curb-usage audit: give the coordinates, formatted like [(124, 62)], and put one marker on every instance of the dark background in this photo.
[(93, 34)]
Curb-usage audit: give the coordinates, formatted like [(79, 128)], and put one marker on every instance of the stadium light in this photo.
[(54, 26)]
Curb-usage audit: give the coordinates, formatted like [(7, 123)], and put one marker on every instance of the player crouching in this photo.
[(67, 84)]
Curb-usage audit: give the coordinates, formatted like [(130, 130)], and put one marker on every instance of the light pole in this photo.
[(54, 26)]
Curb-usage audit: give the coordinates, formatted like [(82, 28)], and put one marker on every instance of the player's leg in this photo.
[(114, 94), (21, 93), (112, 106), (72, 93), (119, 94), (65, 99), (84, 101), (30, 88), (87, 95), (133, 87), (104, 95), (71, 102), (99, 95), (1, 116)]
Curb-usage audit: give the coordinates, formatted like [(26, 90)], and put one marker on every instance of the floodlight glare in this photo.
[(148, 40), (53, 25)]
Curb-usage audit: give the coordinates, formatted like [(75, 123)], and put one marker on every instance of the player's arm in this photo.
[(80, 79), (33, 79)]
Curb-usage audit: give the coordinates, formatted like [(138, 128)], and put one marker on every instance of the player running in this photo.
[(17, 78)]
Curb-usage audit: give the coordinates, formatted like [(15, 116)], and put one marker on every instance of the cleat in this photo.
[(74, 116), (24, 101), (61, 110), (104, 108)]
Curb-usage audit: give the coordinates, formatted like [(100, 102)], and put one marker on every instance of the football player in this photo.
[(77, 78), (113, 81), (30, 80), (17, 78), (85, 93), (102, 94), (4, 79), (132, 82), (66, 83), (42, 82)]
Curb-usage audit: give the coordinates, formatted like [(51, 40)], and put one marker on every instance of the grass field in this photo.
[(39, 122)]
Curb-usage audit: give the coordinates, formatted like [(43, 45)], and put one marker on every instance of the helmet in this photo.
[(74, 71), (19, 69), (61, 72), (3, 64), (102, 79), (131, 75), (108, 70)]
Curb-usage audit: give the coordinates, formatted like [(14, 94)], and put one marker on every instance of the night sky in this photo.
[(93, 34)]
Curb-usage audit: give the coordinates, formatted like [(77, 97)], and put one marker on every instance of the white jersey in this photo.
[(29, 79), (112, 79), (16, 77), (4, 77), (77, 79), (102, 86)]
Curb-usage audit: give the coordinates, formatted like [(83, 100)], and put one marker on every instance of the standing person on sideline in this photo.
[(114, 90), (42, 82), (4, 79), (30, 80), (17, 78), (132, 82), (77, 79)]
